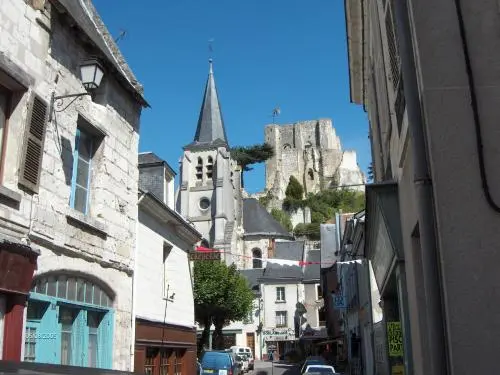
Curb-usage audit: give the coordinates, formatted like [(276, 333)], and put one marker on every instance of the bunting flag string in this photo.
[(282, 262)]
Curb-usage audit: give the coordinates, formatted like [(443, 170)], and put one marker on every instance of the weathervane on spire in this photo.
[(276, 113), (210, 52)]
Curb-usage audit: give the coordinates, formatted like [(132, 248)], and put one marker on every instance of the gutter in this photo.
[(134, 286)]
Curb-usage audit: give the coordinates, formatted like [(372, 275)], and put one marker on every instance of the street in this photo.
[(276, 368)]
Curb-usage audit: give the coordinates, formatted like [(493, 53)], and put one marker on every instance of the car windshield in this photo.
[(320, 370)]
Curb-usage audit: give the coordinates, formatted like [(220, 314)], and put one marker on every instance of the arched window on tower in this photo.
[(199, 169), (257, 258), (210, 167), (311, 174)]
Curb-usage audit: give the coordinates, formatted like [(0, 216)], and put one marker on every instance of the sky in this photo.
[(290, 54)]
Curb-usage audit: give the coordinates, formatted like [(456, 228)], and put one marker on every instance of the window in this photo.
[(256, 258), (321, 317), (164, 362), (80, 181), (199, 169), (204, 243), (150, 361), (210, 167), (204, 203), (280, 294), (5, 97), (72, 313), (34, 140), (166, 252), (178, 354), (281, 320), (319, 292)]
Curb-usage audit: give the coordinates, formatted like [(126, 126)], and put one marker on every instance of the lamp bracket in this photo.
[(57, 102)]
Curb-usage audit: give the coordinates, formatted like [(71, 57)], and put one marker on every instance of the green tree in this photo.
[(221, 295), (294, 190), (248, 155), (283, 218)]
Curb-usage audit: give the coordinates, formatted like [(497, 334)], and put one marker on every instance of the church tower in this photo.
[(209, 182)]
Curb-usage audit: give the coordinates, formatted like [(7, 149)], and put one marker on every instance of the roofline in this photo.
[(355, 52), (196, 236), (94, 16), (269, 234), (156, 163)]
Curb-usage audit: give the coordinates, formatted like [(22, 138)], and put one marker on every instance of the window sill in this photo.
[(12, 195), (281, 301), (87, 222)]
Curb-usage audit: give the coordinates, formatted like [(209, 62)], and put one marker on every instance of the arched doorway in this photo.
[(69, 321)]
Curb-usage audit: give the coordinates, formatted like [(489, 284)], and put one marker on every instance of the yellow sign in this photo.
[(398, 370), (395, 339)]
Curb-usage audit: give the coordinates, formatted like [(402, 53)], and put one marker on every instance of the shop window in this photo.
[(321, 317), (2, 314), (256, 258), (178, 356), (280, 294), (165, 361), (150, 361), (69, 322), (281, 319)]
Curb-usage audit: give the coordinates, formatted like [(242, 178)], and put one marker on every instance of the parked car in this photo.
[(320, 369), (316, 360), (219, 362), (244, 350), (199, 369)]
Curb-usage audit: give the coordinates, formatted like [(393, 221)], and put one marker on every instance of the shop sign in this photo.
[(199, 255), (398, 370), (383, 253), (395, 339), (278, 334), (339, 301)]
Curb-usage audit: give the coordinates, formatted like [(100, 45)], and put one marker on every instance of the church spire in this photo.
[(210, 131)]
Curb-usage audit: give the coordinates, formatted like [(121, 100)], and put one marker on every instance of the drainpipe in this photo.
[(134, 286), (423, 189)]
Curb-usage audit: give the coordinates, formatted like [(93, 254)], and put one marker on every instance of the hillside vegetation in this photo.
[(323, 206)]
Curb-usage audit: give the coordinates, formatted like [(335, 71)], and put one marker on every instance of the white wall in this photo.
[(293, 294), (149, 275)]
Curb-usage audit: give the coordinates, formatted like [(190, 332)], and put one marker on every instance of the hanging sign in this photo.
[(339, 301), (395, 339)]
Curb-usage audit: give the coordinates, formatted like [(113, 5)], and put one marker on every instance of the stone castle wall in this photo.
[(311, 152)]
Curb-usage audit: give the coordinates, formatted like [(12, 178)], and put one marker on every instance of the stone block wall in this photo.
[(39, 46)]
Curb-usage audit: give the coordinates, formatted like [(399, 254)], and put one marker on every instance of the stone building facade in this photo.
[(68, 187), (312, 153), (426, 72)]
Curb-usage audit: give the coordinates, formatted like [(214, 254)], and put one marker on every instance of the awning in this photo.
[(383, 244)]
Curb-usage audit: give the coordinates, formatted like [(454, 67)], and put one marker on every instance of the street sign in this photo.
[(339, 301)]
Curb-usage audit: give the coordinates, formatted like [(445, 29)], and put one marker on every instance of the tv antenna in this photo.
[(121, 35)]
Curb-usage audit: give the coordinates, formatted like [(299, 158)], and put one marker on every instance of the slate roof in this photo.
[(252, 275), (258, 222), (150, 158), (312, 271), (87, 19), (292, 250), (210, 131)]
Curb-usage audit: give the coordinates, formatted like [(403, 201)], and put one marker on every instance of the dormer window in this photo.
[(210, 167), (199, 169)]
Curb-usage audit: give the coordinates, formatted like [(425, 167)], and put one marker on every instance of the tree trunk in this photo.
[(205, 335), (218, 337)]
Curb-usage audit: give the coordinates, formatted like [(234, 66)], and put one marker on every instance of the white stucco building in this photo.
[(164, 307), (68, 186)]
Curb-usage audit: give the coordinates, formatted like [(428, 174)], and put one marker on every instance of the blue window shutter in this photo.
[(47, 333), (78, 348), (105, 332)]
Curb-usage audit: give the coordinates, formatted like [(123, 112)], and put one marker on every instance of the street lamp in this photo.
[(91, 72)]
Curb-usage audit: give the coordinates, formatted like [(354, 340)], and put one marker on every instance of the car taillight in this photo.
[(230, 372)]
